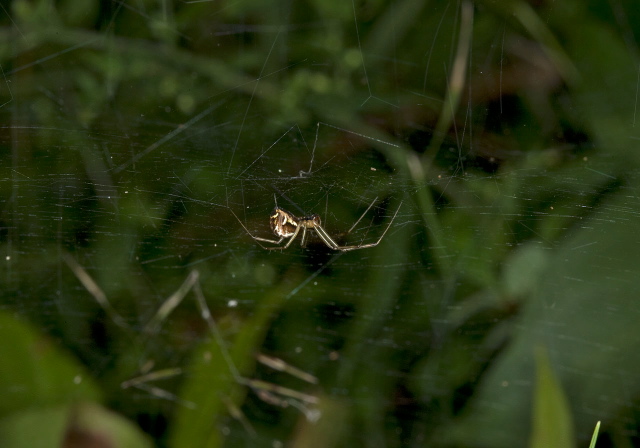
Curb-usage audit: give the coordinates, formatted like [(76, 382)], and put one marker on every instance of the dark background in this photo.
[(138, 137)]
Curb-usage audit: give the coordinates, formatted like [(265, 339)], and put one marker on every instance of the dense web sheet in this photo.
[(485, 155)]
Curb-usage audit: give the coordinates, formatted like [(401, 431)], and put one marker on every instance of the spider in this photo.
[(285, 225)]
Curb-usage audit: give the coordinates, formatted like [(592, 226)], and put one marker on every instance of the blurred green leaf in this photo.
[(83, 424), (92, 422), (330, 430), (37, 427), (522, 270), (595, 435), (577, 312), (579, 309), (47, 395), (131, 127), (35, 372), (552, 423), (211, 390), (603, 96)]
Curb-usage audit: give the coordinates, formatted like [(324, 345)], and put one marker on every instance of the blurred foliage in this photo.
[(498, 311)]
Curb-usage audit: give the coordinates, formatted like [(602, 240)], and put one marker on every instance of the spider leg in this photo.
[(362, 246), (362, 216), (312, 223), (267, 240), (257, 238), (293, 237), (326, 239), (303, 242)]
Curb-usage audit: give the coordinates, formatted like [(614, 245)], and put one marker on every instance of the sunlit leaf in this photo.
[(595, 435)]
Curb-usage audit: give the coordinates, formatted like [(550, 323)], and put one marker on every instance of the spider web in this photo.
[(144, 145)]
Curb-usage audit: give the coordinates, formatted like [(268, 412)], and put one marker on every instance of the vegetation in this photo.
[(144, 139)]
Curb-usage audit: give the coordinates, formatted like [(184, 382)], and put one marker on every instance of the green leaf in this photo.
[(582, 307), (582, 311), (34, 373), (69, 425), (595, 435), (212, 391), (41, 387), (34, 428), (552, 424), (93, 422)]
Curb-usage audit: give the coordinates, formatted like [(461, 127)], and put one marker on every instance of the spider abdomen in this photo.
[(283, 223)]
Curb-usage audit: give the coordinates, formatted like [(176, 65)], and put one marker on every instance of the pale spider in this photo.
[(285, 225)]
